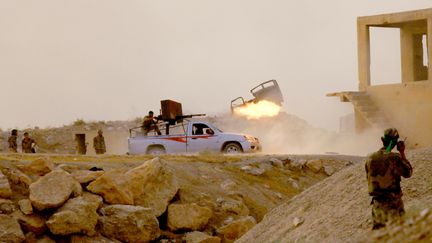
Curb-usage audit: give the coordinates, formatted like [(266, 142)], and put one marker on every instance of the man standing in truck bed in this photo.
[(384, 170), (150, 123)]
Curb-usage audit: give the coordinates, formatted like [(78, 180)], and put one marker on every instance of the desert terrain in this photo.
[(58, 196), (218, 195)]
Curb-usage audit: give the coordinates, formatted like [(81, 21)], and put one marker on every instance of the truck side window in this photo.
[(198, 129)]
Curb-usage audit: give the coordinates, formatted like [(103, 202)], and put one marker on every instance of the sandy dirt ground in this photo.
[(338, 209)]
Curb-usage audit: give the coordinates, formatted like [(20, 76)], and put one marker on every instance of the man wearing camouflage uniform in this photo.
[(28, 144), (12, 141), (384, 170), (150, 123), (99, 143)]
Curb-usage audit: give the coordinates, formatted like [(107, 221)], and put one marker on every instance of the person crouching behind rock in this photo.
[(384, 170), (28, 144), (99, 143)]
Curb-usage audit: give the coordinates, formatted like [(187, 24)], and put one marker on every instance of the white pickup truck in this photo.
[(195, 136)]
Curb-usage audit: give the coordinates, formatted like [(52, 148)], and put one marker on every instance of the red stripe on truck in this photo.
[(183, 138)]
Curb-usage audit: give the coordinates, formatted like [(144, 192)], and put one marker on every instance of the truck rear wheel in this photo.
[(156, 150), (232, 148)]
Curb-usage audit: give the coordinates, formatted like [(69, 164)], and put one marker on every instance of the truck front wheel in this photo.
[(232, 148), (156, 150)]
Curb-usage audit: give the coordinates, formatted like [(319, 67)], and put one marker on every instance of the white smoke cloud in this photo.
[(288, 134)]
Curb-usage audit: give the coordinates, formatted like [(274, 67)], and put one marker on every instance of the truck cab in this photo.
[(192, 137)]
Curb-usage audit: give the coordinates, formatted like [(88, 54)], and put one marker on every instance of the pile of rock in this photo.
[(314, 165), (42, 201)]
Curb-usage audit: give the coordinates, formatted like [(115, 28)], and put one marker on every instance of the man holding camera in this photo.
[(28, 144), (384, 170)]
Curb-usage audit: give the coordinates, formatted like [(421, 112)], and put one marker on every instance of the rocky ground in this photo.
[(57, 196), (338, 209), (184, 198)]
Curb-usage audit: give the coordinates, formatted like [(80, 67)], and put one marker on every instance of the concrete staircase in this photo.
[(366, 107)]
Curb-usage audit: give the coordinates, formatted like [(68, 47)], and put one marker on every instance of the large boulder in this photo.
[(314, 165), (233, 206), (128, 223), (86, 176), (6, 206), (30, 223), (328, 170), (276, 162), (235, 229), (153, 185), (18, 178), (5, 189), (10, 230), (25, 206), (200, 237), (188, 216), (52, 190), (192, 195), (90, 197), (39, 167), (77, 215), (76, 189), (113, 187), (70, 168)]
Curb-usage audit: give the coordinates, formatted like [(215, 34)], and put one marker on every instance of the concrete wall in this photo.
[(409, 108), (408, 105), (115, 141), (413, 24)]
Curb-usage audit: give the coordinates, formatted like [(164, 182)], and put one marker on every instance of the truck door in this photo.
[(202, 138)]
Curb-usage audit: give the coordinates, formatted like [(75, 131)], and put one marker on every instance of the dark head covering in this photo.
[(390, 138)]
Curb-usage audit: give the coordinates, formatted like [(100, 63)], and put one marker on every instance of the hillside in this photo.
[(338, 209), (176, 196)]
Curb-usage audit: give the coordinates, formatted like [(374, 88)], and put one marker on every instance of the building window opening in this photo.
[(420, 58), (385, 55), (425, 51)]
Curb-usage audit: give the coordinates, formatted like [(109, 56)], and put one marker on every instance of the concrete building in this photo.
[(405, 105)]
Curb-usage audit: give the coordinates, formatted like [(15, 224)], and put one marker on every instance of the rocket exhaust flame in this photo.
[(258, 110)]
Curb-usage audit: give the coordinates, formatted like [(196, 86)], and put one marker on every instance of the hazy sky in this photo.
[(112, 60)]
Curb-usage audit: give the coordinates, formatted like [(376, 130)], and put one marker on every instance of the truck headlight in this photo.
[(250, 139)]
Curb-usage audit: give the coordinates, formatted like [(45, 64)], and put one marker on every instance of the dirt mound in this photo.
[(173, 197), (337, 209)]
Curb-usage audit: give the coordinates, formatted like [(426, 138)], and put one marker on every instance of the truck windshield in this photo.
[(217, 129)]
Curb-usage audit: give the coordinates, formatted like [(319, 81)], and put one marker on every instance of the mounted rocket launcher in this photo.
[(268, 91)]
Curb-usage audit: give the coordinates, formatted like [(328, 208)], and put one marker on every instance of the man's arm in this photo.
[(405, 168), (366, 168), (103, 144)]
